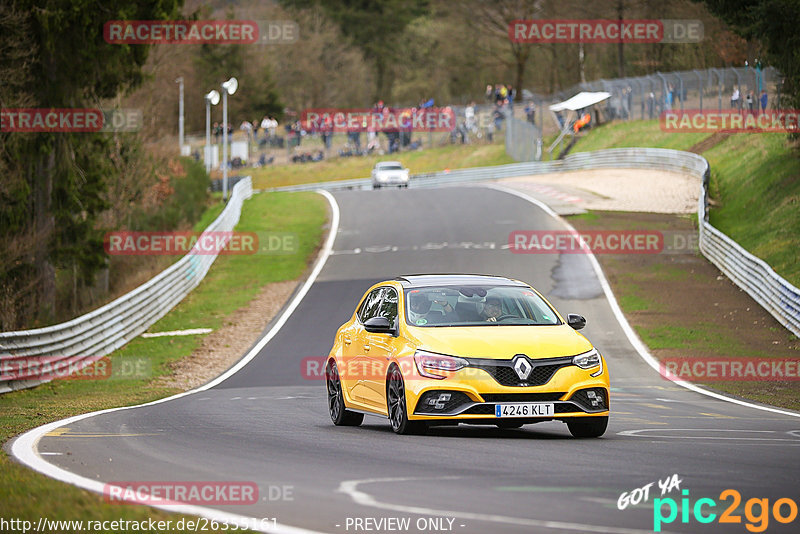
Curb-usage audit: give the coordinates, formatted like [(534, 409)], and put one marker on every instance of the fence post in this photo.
[(700, 87)]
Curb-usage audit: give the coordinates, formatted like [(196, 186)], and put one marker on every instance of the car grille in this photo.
[(480, 409), (503, 370), (591, 399), (523, 397), (431, 402)]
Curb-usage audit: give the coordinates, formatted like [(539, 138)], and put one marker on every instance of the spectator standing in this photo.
[(530, 113), (629, 99), (247, 128), (624, 100), (735, 98), (327, 132), (749, 100), (469, 117), (763, 101), (265, 125)]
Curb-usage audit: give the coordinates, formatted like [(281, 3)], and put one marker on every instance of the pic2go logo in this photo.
[(783, 511)]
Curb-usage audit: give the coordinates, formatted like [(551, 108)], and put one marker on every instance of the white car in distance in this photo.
[(388, 173)]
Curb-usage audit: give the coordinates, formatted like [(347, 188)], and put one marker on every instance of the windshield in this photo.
[(477, 306), (390, 167)]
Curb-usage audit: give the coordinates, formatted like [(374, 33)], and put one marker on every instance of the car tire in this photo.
[(507, 425), (340, 415), (588, 427), (397, 408), (376, 186)]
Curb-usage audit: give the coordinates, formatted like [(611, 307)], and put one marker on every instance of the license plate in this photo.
[(524, 409)]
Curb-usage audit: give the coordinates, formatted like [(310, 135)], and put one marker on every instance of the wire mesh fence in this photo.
[(645, 97)]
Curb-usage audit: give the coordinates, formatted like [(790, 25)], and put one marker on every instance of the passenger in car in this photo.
[(420, 313)]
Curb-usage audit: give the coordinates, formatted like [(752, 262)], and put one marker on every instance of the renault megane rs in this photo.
[(428, 350)]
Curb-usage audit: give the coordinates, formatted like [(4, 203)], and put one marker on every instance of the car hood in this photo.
[(500, 342)]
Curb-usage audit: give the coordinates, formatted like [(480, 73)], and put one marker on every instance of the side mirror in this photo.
[(576, 321), (379, 325)]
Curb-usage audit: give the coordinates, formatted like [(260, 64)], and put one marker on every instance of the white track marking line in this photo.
[(633, 338), (24, 447), (189, 332), (350, 488), (638, 433)]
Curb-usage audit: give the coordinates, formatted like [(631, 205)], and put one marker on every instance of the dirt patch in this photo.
[(222, 348), (682, 306), (709, 142), (645, 190)]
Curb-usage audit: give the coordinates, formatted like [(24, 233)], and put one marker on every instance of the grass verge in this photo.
[(231, 283), (682, 308), (420, 161), (755, 185)]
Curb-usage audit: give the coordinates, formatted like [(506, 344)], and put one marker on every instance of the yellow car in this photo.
[(428, 350)]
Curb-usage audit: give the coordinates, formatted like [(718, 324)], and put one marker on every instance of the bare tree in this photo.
[(492, 19)]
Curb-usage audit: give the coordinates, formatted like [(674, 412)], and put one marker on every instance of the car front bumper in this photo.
[(475, 392), (390, 180)]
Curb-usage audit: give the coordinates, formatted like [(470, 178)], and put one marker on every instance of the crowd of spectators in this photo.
[(472, 122)]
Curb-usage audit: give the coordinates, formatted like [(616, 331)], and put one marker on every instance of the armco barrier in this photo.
[(773, 293), (25, 355)]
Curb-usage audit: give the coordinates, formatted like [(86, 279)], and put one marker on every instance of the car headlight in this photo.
[(589, 360), (429, 361)]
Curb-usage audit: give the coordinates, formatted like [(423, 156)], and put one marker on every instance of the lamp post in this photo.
[(229, 88), (179, 80), (212, 99)]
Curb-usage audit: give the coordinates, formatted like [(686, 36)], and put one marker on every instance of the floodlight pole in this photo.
[(208, 134), (212, 99), (228, 88), (180, 115), (224, 145)]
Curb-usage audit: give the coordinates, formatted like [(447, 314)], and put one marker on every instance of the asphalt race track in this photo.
[(269, 424)]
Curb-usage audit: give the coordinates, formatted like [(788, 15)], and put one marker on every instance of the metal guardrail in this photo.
[(30, 357), (776, 295), (618, 157), (89, 337)]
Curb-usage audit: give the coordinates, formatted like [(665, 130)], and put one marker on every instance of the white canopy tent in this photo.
[(580, 101)]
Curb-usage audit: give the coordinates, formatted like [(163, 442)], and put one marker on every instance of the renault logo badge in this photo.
[(522, 366)]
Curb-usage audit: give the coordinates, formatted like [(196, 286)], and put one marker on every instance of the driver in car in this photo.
[(420, 313), (492, 309)]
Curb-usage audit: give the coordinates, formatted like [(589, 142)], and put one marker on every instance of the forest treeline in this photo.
[(60, 192)]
